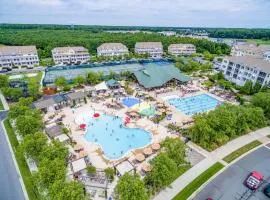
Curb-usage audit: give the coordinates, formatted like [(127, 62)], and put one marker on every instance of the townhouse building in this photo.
[(112, 49), (18, 57), (154, 49), (181, 49), (70, 55)]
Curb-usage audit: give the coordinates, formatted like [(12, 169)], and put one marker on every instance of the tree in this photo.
[(175, 149), (50, 171), (3, 81), (79, 80), (33, 89), (55, 150), (247, 88), (262, 100), (73, 190), (91, 170), (256, 88), (109, 172), (27, 124), (130, 187), (163, 172), (93, 78), (34, 144), (60, 82), (12, 93)]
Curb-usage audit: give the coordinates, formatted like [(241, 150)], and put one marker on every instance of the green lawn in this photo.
[(196, 183), (26, 175), (237, 153), (258, 41), (36, 78), (1, 105)]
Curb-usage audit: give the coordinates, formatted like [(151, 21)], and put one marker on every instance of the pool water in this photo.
[(115, 139), (130, 101), (194, 104)]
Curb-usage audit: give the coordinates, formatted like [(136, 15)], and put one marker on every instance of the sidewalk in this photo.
[(211, 158), (4, 102)]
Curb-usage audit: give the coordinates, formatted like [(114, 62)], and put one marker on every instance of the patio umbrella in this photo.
[(155, 146), (96, 115), (78, 147), (140, 157), (147, 151), (146, 167), (82, 126)]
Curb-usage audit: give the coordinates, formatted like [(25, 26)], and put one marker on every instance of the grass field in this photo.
[(265, 42), (1, 105), (26, 175), (232, 156), (198, 182)]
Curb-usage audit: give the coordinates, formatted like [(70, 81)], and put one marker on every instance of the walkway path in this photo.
[(211, 158), (4, 102)]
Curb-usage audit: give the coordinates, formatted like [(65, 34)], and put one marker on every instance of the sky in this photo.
[(178, 13)]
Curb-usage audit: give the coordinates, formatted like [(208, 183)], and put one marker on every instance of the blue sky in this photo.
[(200, 13)]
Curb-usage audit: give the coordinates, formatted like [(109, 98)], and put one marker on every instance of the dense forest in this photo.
[(46, 40), (238, 33)]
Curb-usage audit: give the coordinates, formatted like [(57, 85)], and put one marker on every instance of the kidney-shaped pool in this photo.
[(113, 137)]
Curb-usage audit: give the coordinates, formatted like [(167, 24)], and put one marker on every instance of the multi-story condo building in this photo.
[(239, 69), (181, 49), (112, 49), (154, 49), (70, 55), (246, 50), (18, 57)]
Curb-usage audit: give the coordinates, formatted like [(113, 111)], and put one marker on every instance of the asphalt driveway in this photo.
[(229, 184)]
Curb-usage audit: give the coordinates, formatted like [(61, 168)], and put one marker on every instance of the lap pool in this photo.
[(115, 139), (194, 104)]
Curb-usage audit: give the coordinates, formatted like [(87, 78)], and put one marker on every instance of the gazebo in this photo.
[(113, 84)]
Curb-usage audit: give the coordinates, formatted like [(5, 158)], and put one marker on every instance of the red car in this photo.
[(254, 180)]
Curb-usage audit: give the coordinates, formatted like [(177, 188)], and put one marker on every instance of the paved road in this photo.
[(10, 187), (229, 184)]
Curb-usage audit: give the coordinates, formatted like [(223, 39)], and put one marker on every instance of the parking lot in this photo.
[(229, 184)]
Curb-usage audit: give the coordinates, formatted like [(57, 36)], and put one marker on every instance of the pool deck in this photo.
[(94, 150)]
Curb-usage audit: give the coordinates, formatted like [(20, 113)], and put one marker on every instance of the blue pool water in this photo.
[(130, 101), (194, 104), (114, 138)]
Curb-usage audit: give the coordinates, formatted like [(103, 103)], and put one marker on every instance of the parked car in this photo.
[(266, 190), (254, 180)]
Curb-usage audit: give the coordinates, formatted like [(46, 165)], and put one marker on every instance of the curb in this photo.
[(222, 170), (15, 162)]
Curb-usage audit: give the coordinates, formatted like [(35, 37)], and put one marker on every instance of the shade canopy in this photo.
[(140, 157), (147, 151), (146, 167), (155, 146), (96, 115), (82, 126)]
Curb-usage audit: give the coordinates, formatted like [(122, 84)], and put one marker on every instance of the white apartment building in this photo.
[(246, 50), (239, 69), (18, 57), (70, 55), (112, 49), (181, 49), (154, 49)]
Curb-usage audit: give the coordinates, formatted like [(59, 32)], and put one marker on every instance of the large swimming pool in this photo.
[(115, 139), (194, 104)]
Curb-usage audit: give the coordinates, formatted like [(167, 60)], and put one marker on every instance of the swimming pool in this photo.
[(130, 101), (194, 104), (115, 139)]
